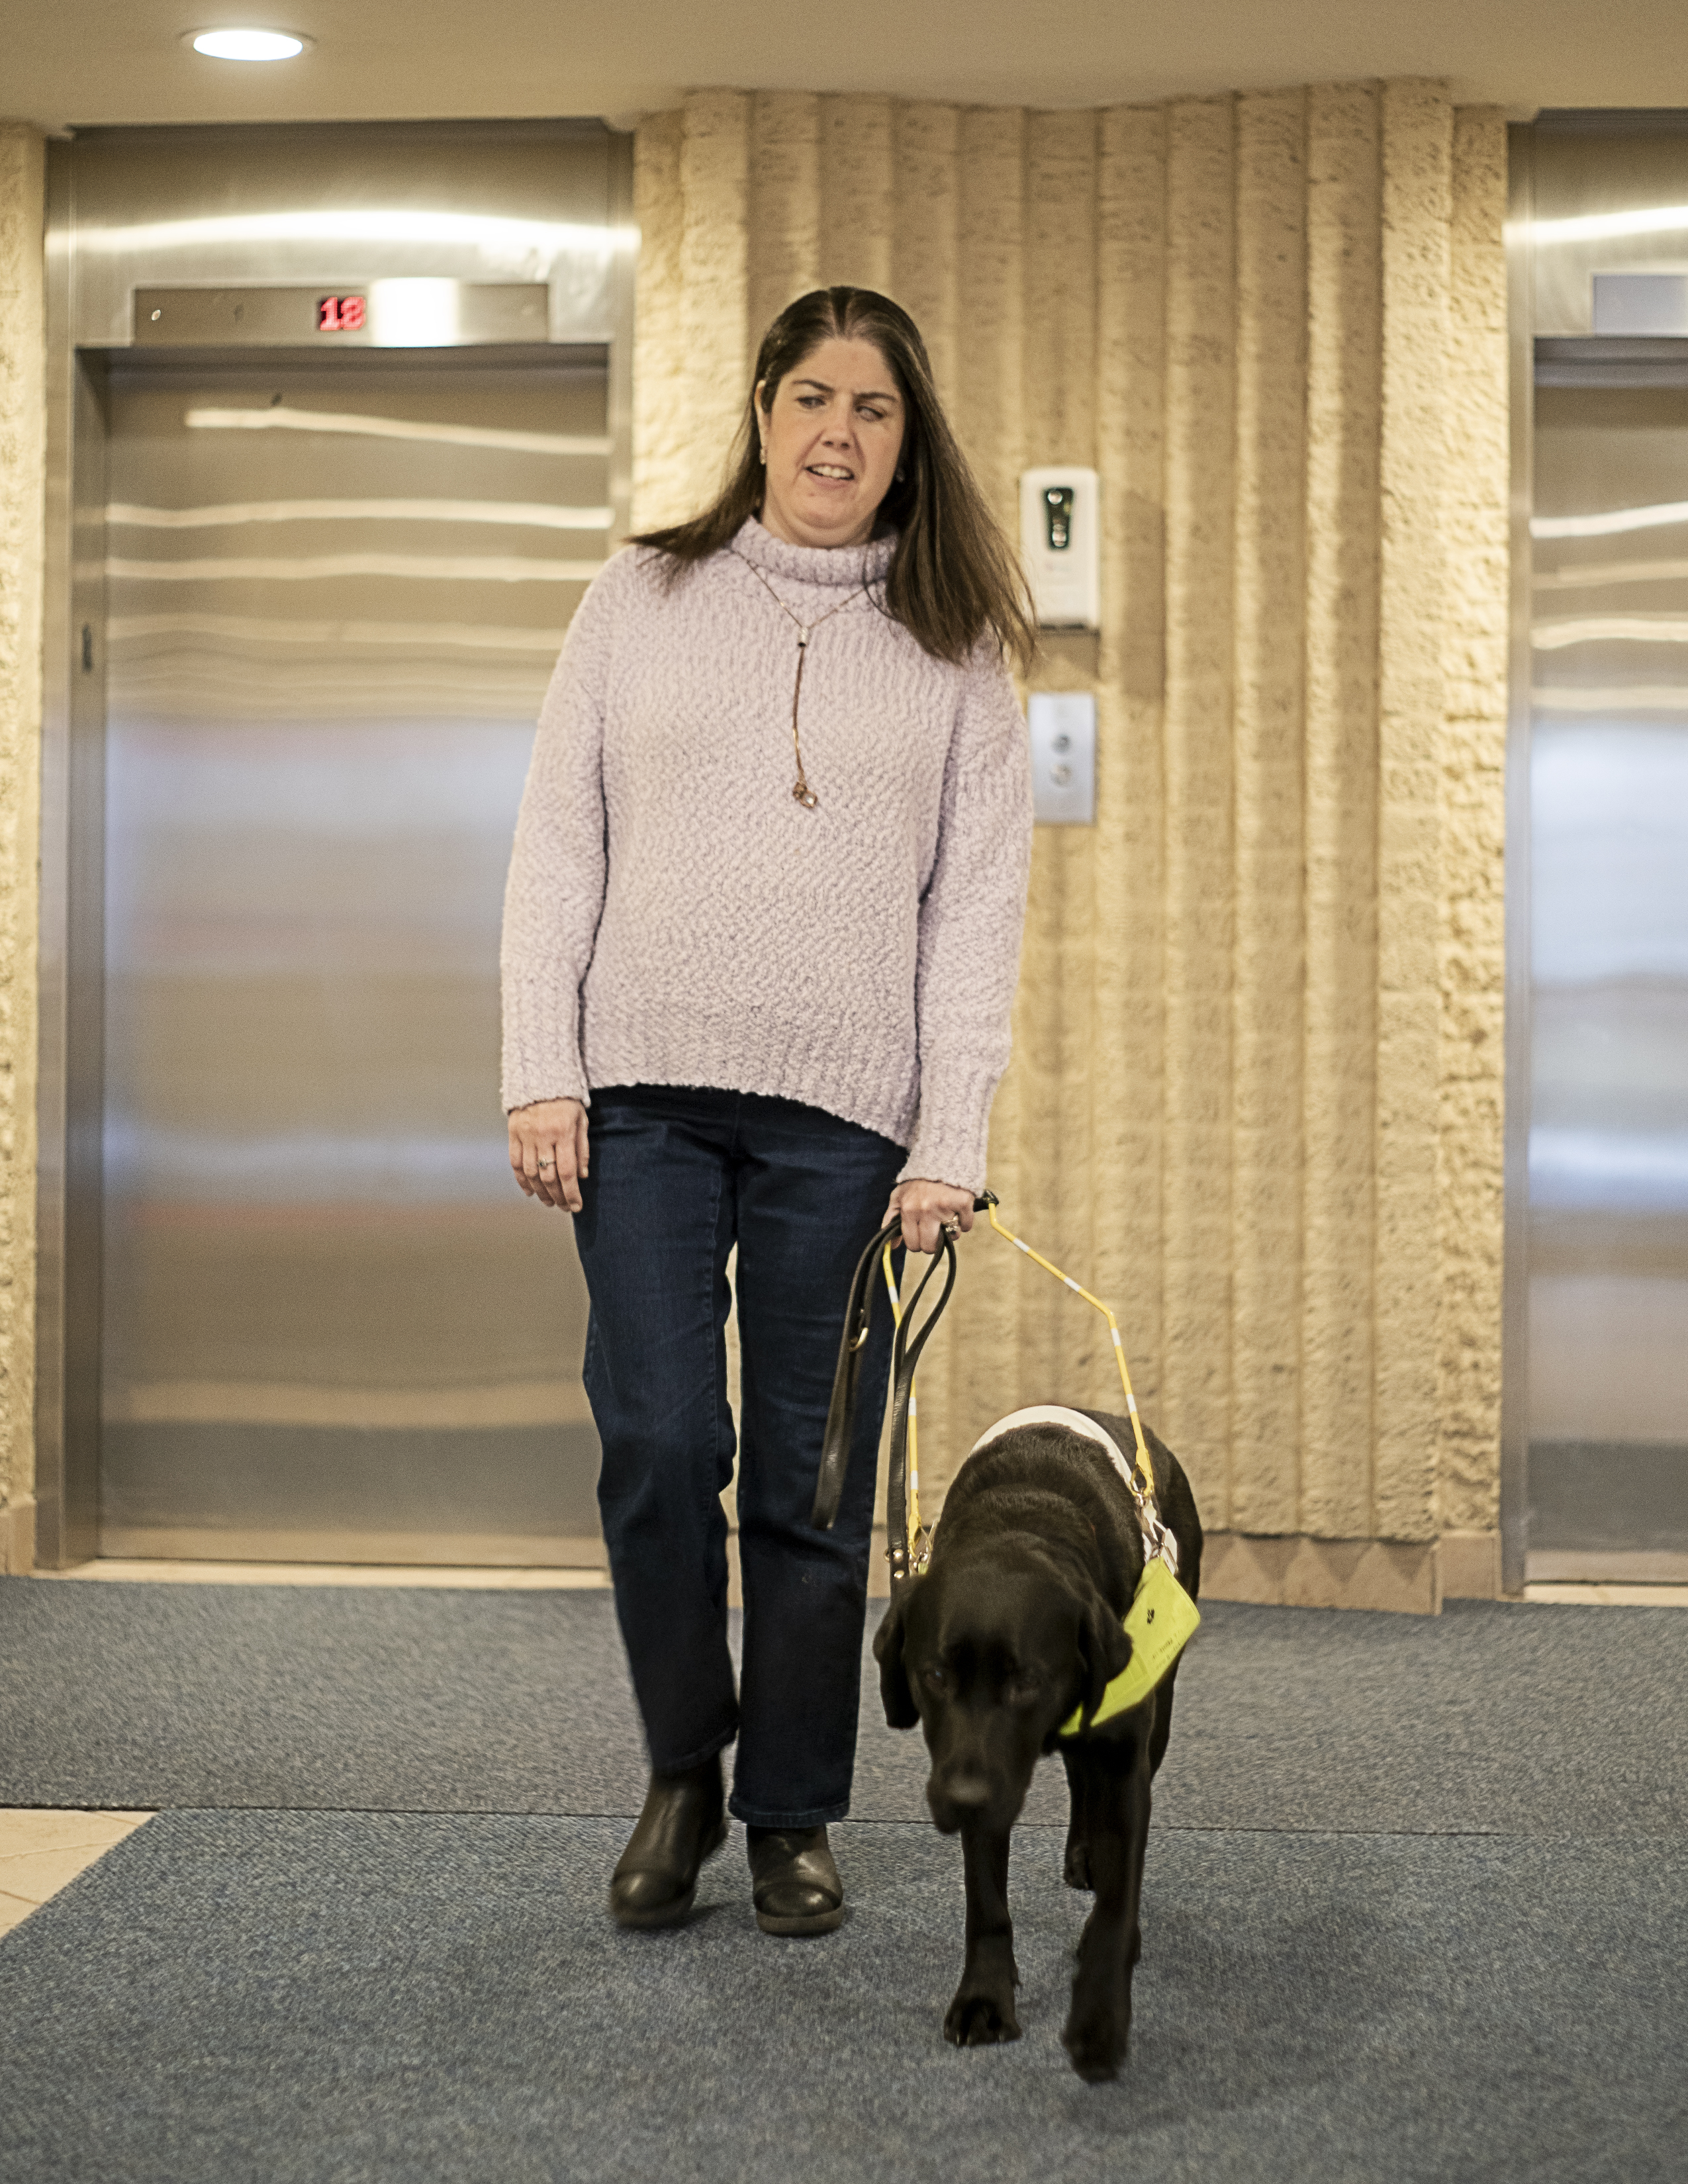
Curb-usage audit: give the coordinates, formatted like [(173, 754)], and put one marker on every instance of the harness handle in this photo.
[(840, 1433), (905, 1356), (835, 1442)]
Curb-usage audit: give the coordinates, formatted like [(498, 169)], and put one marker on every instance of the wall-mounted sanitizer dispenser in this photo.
[(1060, 541)]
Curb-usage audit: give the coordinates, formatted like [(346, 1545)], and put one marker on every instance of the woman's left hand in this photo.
[(925, 1209)]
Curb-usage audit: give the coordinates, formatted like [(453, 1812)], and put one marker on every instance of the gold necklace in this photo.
[(800, 789)]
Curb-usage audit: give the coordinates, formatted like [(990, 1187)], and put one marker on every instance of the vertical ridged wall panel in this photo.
[(926, 280), (857, 177), (22, 422), (662, 429), (990, 1331), (1417, 185), (714, 173), (1255, 1095), (1271, 588), (1340, 812), (1061, 1342), (1130, 854), (785, 204), (1195, 1406), (1472, 936), (989, 381), (925, 237), (1061, 285)]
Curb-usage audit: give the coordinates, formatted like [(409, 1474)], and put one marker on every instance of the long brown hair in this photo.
[(953, 577)]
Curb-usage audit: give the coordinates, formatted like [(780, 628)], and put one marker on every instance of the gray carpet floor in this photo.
[(1413, 1911), (316, 1998), (1561, 1720)]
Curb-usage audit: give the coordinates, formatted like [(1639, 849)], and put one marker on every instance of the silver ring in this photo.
[(544, 1165), (952, 1227)]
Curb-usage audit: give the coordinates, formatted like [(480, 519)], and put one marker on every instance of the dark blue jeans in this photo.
[(678, 1176)]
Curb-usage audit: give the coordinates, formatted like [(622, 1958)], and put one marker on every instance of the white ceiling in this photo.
[(69, 62)]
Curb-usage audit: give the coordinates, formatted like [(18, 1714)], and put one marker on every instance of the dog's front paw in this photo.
[(1096, 2045), (1076, 1870), (979, 2019)]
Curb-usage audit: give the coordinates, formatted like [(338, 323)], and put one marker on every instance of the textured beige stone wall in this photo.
[(22, 389), (1255, 1093), (1471, 935), (1339, 622)]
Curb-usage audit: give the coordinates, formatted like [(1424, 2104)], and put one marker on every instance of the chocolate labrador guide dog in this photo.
[(1017, 1624)]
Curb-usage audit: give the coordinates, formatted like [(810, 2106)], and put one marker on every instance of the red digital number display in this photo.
[(340, 314)]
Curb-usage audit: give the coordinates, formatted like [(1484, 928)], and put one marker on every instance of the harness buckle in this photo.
[(1162, 1545)]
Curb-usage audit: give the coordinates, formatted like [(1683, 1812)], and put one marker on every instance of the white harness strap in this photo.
[(1057, 1414), (1157, 1538)]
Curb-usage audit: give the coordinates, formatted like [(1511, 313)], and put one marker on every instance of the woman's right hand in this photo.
[(548, 1150)]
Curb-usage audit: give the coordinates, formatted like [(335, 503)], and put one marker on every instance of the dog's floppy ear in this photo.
[(900, 1710), (1104, 1650)]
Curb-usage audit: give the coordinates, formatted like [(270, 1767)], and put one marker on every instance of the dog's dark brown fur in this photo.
[(1015, 1623)]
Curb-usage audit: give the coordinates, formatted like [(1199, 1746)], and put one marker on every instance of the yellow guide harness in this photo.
[(1161, 1617)]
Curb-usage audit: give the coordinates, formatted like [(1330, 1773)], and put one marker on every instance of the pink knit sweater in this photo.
[(674, 916)]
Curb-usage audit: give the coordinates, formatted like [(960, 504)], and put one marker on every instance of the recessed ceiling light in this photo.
[(249, 45)]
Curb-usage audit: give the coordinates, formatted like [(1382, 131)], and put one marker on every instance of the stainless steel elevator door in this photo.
[(1608, 1395), (332, 1328)]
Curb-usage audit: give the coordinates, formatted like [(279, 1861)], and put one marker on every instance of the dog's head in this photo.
[(990, 1657)]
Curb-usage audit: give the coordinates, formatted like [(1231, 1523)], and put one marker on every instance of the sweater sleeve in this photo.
[(971, 919), (553, 896)]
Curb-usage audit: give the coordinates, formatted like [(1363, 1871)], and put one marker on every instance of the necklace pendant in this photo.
[(804, 795)]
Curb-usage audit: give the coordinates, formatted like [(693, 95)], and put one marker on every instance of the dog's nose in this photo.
[(957, 1798)]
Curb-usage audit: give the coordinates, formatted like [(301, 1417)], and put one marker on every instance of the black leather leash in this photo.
[(836, 1443)]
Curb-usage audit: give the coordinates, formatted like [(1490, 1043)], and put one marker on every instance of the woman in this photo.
[(763, 921)]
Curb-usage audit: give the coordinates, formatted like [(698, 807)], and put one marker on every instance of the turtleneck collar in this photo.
[(845, 566)]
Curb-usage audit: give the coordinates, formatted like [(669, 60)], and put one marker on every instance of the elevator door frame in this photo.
[(1556, 334), (70, 1088)]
